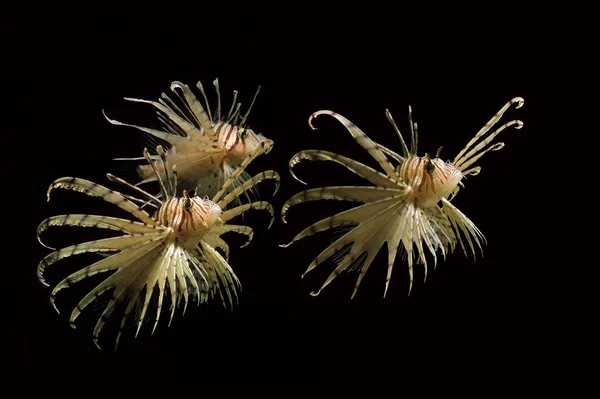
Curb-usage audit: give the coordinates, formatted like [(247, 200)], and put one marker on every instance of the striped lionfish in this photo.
[(173, 251), (409, 207), (206, 147)]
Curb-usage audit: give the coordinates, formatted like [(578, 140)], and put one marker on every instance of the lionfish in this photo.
[(409, 206), (172, 252), (206, 147)]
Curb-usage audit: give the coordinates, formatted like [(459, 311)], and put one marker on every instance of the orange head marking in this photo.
[(189, 218), (429, 179)]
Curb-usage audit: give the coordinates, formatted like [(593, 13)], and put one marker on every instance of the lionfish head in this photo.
[(189, 218), (248, 142)]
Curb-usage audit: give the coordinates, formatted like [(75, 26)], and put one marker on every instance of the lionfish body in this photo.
[(207, 148), (408, 207), (172, 252)]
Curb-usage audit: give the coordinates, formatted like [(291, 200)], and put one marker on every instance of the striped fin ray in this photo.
[(369, 245), (342, 193), (172, 126), (231, 113), (244, 230), (132, 258), (96, 190), (461, 157), (248, 184), (218, 90), (245, 117), (353, 235), (174, 287), (191, 130), (173, 139), (193, 257), (227, 171), (360, 237), (410, 219), (217, 242), (203, 118), (222, 274), (210, 118), (405, 150), (442, 228), (102, 222), (104, 245), (472, 156), (430, 236), (264, 148), (392, 154), (463, 224), (393, 243), (134, 301), (186, 267), (220, 284), (423, 235), (164, 275), (364, 171), (131, 282), (258, 205), (350, 217), (363, 140), (182, 277), (416, 229), (211, 180), (216, 273), (157, 175), (233, 118), (154, 201)]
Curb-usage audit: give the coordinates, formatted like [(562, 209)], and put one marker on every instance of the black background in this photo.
[(481, 320)]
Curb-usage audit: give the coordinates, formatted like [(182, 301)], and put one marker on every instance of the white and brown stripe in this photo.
[(205, 146), (408, 208), (172, 251), (189, 218), (429, 179)]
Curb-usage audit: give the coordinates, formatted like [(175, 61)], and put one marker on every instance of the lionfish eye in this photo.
[(187, 202), (243, 133), (429, 166)]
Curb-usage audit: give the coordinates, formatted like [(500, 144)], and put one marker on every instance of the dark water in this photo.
[(455, 74)]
